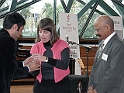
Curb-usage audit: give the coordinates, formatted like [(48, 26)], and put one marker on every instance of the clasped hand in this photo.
[(39, 57), (91, 90), (32, 63)]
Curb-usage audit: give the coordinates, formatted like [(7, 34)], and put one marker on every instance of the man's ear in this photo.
[(108, 27), (15, 27)]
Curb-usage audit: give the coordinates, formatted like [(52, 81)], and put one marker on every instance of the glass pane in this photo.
[(44, 8)]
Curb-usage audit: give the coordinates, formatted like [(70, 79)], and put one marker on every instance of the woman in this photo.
[(53, 53)]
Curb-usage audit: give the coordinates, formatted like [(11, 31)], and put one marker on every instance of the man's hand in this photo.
[(90, 90), (32, 63), (94, 91), (26, 61), (34, 66)]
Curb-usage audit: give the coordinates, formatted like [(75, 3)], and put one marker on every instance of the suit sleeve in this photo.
[(10, 63), (114, 73), (90, 80)]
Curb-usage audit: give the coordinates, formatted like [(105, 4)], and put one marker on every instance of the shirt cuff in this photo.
[(28, 68), (25, 66)]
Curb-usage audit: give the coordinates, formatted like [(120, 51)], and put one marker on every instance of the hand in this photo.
[(39, 57), (35, 65), (26, 61), (90, 90), (32, 63), (94, 91)]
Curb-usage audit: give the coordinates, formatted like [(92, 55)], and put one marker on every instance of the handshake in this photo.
[(34, 62)]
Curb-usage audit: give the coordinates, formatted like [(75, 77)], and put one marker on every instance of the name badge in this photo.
[(104, 56)]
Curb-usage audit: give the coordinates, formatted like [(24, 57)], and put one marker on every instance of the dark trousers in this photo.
[(49, 86)]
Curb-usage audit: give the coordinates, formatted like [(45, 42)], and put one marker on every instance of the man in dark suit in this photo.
[(12, 29), (107, 75)]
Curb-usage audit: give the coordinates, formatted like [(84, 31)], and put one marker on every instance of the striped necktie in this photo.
[(100, 49)]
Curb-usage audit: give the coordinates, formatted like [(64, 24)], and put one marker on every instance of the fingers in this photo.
[(26, 61), (90, 91), (34, 66), (36, 55), (33, 63), (35, 59), (39, 57)]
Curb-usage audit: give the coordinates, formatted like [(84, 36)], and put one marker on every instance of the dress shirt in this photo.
[(108, 38)]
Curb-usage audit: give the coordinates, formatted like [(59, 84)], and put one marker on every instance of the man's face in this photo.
[(101, 31), (17, 32)]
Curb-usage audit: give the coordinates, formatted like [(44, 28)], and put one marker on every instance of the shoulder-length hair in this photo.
[(47, 24)]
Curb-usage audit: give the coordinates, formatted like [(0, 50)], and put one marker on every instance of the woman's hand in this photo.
[(39, 57)]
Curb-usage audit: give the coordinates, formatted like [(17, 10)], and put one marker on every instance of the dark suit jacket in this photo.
[(107, 74), (8, 66)]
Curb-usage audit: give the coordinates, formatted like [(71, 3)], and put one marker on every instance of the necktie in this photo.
[(100, 49)]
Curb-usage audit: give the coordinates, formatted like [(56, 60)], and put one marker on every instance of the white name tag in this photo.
[(104, 56)]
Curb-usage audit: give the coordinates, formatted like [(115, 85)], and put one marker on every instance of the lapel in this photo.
[(108, 45)]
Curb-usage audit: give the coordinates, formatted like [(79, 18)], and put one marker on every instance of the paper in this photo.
[(104, 56)]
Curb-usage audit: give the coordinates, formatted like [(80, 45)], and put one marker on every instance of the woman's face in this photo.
[(44, 35)]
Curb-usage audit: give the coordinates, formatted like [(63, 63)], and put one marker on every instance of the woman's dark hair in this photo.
[(47, 24), (13, 18)]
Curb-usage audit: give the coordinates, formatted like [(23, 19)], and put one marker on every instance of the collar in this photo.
[(108, 38), (47, 43), (4, 32)]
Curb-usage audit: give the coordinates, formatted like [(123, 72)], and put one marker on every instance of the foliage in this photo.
[(47, 11), (26, 12)]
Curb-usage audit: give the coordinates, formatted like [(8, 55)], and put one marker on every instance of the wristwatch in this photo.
[(46, 59)]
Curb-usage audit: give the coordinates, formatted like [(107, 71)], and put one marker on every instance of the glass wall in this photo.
[(44, 8)]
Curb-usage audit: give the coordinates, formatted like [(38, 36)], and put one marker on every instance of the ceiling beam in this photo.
[(20, 7), (86, 7), (120, 8), (108, 9), (89, 18)]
